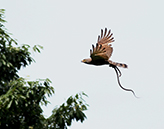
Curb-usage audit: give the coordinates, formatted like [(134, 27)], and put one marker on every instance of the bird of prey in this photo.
[(100, 54)]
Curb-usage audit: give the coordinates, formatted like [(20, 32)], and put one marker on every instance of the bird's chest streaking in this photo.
[(99, 62)]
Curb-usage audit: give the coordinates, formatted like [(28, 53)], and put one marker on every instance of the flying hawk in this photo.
[(100, 54)]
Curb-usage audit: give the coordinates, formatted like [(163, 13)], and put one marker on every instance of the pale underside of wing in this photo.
[(103, 49)]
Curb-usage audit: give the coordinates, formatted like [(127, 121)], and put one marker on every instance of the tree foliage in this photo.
[(21, 100), (73, 109)]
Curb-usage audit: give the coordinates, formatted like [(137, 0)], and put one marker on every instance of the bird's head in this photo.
[(87, 61)]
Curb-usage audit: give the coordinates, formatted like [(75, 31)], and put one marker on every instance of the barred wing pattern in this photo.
[(98, 52), (103, 49), (105, 38)]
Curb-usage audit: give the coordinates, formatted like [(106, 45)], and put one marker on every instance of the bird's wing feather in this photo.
[(103, 44), (100, 52), (108, 49), (103, 49), (105, 38)]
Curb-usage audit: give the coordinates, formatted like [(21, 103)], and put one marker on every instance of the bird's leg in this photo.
[(116, 69)]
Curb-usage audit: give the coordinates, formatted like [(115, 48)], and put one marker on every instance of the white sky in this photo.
[(67, 28)]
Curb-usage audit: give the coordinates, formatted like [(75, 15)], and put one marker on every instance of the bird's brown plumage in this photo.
[(103, 49), (101, 53)]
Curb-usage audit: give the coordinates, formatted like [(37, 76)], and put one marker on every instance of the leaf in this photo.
[(3, 56), (69, 100), (84, 107), (77, 96), (84, 94), (9, 105), (16, 102), (23, 97), (41, 47), (9, 64), (36, 49), (3, 62)]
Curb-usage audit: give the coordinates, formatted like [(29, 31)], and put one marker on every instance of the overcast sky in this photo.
[(68, 28)]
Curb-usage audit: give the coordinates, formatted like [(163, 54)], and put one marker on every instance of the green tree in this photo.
[(21, 100)]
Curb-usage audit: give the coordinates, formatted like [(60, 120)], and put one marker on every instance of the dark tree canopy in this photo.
[(21, 100)]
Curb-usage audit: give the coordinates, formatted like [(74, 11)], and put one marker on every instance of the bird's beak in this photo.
[(82, 61)]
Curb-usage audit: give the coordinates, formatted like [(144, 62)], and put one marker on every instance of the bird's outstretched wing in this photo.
[(98, 53), (103, 49), (105, 37)]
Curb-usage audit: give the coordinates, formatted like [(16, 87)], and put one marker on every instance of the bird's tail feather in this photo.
[(118, 64)]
